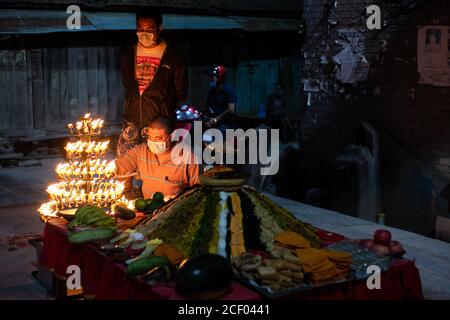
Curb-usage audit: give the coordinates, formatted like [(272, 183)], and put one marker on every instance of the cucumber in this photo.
[(90, 235), (125, 213), (152, 206), (142, 265)]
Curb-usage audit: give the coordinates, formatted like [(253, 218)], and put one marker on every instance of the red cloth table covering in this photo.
[(106, 279)]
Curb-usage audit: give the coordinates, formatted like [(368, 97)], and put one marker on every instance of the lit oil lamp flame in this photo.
[(49, 209), (85, 179)]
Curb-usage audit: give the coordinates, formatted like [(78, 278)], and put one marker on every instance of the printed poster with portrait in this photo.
[(433, 55)]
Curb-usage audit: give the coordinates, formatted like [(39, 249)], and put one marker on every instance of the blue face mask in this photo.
[(213, 83)]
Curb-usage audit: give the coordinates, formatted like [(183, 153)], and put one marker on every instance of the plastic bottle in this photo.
[(381, 218)]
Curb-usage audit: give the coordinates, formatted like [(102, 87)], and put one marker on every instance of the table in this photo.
[(105, 279)]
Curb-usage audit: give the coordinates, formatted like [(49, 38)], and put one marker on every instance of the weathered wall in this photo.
[(49, 80), (414, 116)]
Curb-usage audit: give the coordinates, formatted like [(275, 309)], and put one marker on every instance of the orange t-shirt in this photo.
[(158, 172)]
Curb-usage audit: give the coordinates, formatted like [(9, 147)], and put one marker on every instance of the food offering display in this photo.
[(212, 233), (209, 235)]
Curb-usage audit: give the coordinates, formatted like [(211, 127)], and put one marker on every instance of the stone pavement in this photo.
[(17, 258), (26, 185), (22, 190)]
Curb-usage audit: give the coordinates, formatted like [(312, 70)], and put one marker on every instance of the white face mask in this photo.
[(157, 147), (147, 39)]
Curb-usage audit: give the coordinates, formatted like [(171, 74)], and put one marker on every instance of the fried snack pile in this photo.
[(319, 265), (281, 273), (323, 265), (291, 240)]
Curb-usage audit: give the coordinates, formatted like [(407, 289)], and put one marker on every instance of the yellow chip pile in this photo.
[(321, 265), (292, 240)]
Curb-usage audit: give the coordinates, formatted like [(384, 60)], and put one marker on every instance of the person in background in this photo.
[(221, 100), (155, 80), (275, 101), (276, 109), (152, 161)]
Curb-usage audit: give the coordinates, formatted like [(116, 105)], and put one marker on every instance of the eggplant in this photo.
[(125, 213), (203, 274)]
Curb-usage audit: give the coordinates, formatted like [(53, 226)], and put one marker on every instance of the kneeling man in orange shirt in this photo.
[(152, 162)]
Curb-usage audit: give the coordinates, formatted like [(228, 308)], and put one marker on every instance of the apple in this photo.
[(367, 243), (380, 250), (395, 248), (382, 236)]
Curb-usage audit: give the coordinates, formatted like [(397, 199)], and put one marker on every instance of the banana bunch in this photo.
[(92, 216)]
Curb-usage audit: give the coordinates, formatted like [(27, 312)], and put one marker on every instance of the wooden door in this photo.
[(255, 82), (15, 91)]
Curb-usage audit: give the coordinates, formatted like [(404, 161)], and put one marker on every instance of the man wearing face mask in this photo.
[(155, 80), (152, 161), (221, 100)]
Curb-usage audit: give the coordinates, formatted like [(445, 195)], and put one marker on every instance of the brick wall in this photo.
[(412, 119), (415, 115)]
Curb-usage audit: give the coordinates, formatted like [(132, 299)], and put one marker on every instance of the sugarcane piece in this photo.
[(149, 249)]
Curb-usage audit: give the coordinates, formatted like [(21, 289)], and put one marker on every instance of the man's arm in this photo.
[(193, 170), (126, 168), (231, 107), (126, 66), (181, 82), (229, 111)]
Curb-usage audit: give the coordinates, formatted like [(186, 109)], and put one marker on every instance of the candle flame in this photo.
[(85, 179)]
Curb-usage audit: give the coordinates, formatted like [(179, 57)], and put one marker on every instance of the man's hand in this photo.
[(128, 194), (223, 115), (211, 122)]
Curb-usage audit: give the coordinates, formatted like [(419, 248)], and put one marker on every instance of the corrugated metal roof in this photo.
[(272, 8), (47, 21)]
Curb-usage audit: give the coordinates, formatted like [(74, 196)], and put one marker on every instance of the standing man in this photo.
[(221, 101), (155, 80)]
